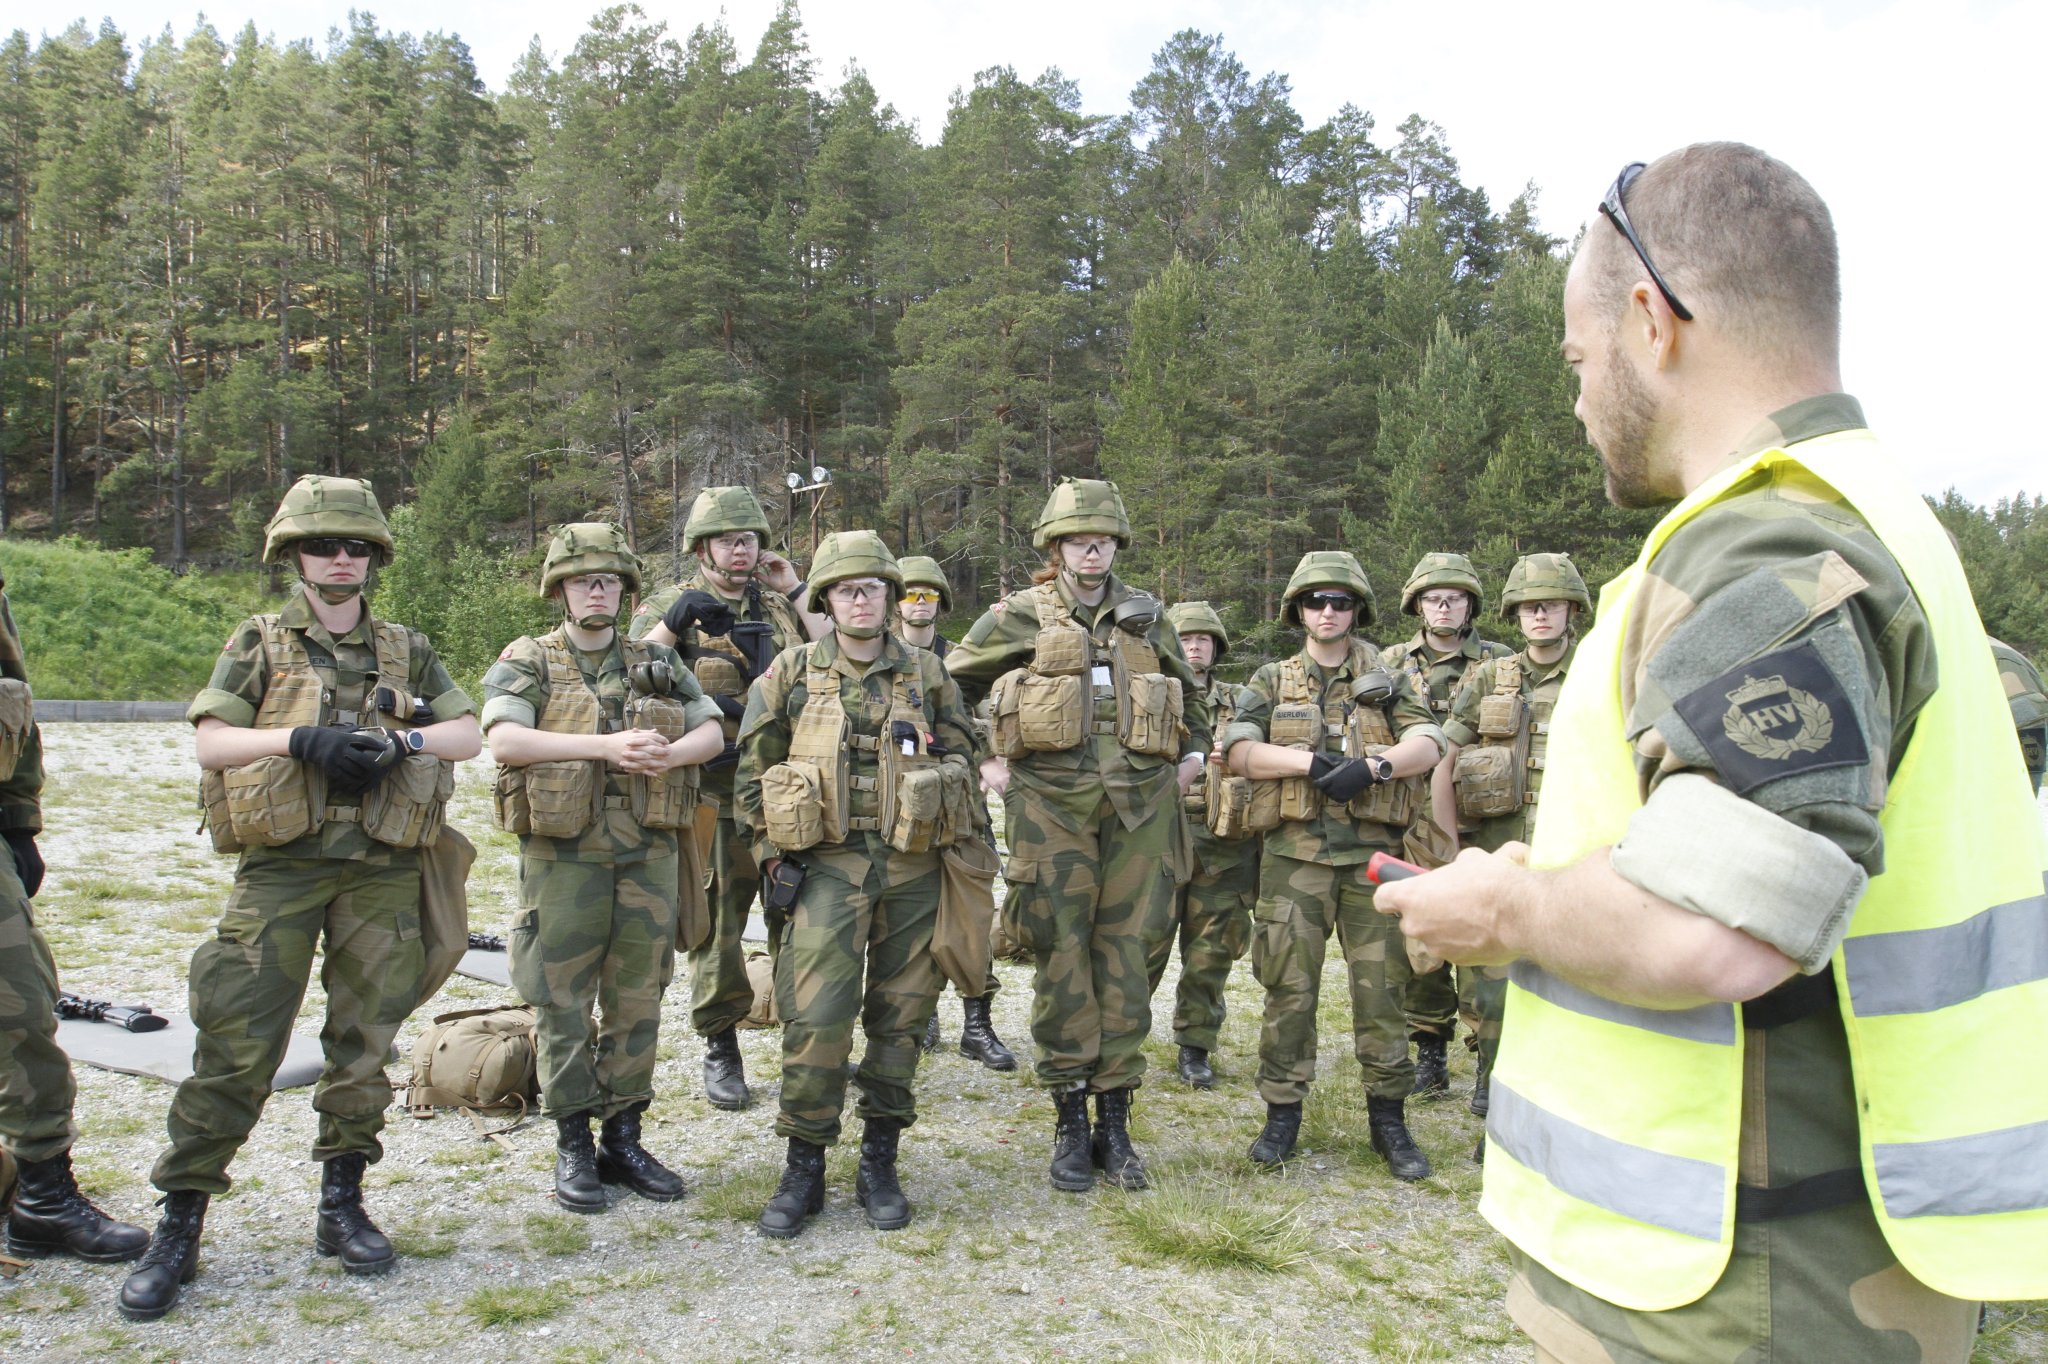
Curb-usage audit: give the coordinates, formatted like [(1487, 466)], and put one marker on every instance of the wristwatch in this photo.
[(413, 740), (1382, 768)]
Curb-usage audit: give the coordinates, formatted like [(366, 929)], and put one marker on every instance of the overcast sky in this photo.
[(1916, 121)]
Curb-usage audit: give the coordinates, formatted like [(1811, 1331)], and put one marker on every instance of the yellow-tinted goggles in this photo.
[(924, 596)]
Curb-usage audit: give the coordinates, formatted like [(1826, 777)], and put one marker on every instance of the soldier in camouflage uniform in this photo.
[(2029, 707), (619, 726), (1212, 913), (737, 611), (1547, 600), (325, 738), (1443, 593), (927, 594), (49, 1215), (857, 766), (1087, 684), (1342, 736)]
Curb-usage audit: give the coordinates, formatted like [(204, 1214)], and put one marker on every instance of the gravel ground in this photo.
[(1333, 1260)]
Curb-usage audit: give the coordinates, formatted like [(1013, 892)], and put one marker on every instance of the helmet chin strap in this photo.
[(598, 621), (334, 594), (1088, 581), (859, 631)]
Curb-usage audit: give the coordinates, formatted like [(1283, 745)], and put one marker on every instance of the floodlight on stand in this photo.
[(820, 474), (794, 479)]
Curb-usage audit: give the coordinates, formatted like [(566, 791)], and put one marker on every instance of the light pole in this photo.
[(821, 482)]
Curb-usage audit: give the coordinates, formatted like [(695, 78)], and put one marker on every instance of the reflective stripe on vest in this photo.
[(1626, 1187)]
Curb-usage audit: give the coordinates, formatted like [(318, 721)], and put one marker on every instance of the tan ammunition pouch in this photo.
[(1491, 776), (405, 809), (804, 799), (17, 718), (1238, 807), (1048, 705), (270, 801), (793, 805), (555, 799), (1297, 722), (668, 801), (1367, 735)]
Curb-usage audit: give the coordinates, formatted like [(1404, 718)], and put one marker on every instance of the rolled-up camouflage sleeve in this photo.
[(513, 686), (1461, 726), (1255, 708), (1003, 638), (1410, 715), (235, 691), (431, 682)]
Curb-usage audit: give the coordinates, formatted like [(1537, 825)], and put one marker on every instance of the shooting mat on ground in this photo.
[(166, 1054)]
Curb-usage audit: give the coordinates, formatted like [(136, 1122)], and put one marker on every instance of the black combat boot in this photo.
[(725, 1079), (1111, 1143), (932, 1040), (1073, 1170), (978, 1040), (1193, 1066), (1276, 1142), (875, 1187), (51, 1217), (577, 1187), (1432, 1069), (801, 1192), (171, 1260), (621, 1159), (345, 1229), (1390, 1138), (1482, 1087)]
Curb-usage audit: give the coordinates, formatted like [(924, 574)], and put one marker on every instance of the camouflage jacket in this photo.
[(516, 689), (778, 697), (1333, 837), (1438, 677), (1540, 684), (241, 676), (1214, 854), (1070, 785), (2029, 706), (21, 791)]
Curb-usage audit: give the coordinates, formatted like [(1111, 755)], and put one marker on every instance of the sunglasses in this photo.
[(1617, 213), (922, 595), (1329, 601), (327, 546)]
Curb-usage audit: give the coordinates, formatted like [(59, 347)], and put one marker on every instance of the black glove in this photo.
[(28, 863), (1343, 780), (725, 757), (733, 707), (699, 610), (755, 639), (350, 759)]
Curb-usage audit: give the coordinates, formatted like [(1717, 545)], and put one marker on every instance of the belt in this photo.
[(618, 802)]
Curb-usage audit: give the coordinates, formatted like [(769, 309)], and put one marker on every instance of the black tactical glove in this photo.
[(733, 707), (1343, 780), (28, 862), (755, 639), (699, 610), (725, 757), (350, 759)]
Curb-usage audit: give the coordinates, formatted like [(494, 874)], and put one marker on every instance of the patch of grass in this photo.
[(1215, 1226), (739, 1196), (517, 1304), (923, 1239), (469, 1153), (45, 1297), (330, 1309), (553, 1233), (429, 1240)]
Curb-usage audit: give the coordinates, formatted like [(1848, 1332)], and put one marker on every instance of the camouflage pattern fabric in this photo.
[(2029, 704), (1299, 903), (592, 950), (1435, 997), (1772, 568), (20, 790), (246, 985)]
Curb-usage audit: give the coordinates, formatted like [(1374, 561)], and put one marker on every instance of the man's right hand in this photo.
[(698, 610)]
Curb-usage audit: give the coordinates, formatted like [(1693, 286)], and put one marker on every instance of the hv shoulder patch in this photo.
[(1782, 713)]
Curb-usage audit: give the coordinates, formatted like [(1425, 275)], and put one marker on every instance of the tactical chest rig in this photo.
[(564, 799), (1353, 725), (846, 775), (1418, 672), (1504, 771), (1051, 704), (278, 799)]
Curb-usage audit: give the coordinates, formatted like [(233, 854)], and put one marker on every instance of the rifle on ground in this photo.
[(486, 942), (133, 1017)]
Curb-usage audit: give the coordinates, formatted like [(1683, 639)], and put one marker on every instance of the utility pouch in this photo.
[(1195, 800), (719, 675), (1005, 739), (561, 797), (1148, 714), (509, 809), (1061, 651), (1389, 802), (405, 809), (818, 742), (668, 801), (779, 890), (1050, 712), (1298, 725), (270, 801), (1368, 732), (1502, 715), (792, 805), (958, 795), (1489, 780), (213, 806), (920, 802), (17, 718), (1230, 798)]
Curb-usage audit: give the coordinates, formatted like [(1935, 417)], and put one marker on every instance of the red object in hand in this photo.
[(1384, 868)]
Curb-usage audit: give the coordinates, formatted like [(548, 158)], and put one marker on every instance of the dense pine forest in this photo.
[(669, 262)]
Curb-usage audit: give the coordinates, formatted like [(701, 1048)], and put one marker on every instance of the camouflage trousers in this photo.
[(1822, 1286), (1212, 918), (592, 950), (855, 950), (720, 995), (1299, 902), (35, 1076), (1090, 906), (246, 985), (1489, 999)]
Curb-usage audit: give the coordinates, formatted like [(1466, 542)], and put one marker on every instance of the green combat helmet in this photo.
[(1543, 577), (921, 571), (589, 547), (849, 554), (321, 505), (1199, 618), (1440, 570), (1328, 568), (720, 511), (1082, 506)]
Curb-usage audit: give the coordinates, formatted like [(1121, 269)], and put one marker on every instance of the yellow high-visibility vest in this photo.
[(1625, 1185)]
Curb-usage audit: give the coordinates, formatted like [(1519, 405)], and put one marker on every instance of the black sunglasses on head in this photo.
[(1328, 601), (1617, 213), (327, 546)]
